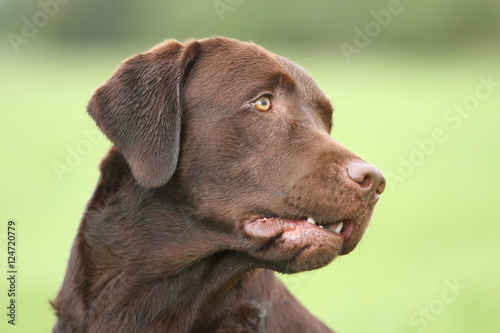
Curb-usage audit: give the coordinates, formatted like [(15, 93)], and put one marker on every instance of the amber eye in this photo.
[(262, 104)]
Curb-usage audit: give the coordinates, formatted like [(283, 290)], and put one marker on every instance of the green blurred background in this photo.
[(416, 86)]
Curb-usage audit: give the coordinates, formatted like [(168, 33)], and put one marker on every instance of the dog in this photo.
[(222, 171)]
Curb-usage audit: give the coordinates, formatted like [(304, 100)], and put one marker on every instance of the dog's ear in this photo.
[(139, 109)]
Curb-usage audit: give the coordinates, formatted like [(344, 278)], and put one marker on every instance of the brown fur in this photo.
[(203, 196)]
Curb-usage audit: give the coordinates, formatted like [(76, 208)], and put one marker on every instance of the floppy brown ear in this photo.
[(139, 109)]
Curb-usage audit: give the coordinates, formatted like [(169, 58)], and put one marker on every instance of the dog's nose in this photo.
[(370, 179)]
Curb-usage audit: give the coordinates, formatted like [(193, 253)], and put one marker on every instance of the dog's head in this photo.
[(243, 136)]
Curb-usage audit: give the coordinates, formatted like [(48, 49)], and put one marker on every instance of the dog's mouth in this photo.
[(343, 228), (304, 243), (275, 227)]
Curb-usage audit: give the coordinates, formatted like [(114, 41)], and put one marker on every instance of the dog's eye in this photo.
[(262, 104)]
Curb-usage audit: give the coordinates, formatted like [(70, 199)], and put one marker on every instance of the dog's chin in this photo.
[(291, 246)]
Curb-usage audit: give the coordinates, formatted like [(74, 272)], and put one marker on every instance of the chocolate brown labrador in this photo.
[(222, 172)]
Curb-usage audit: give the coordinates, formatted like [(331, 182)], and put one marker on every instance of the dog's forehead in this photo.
[(234, 60), (234, 64), (301, 76)]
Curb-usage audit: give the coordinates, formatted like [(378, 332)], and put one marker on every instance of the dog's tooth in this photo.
[(339, 227), (311, 220)]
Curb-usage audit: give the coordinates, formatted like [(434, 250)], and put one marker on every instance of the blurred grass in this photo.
[(439, 225)]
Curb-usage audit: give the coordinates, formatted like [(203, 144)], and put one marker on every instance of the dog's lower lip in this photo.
[(341, 228)]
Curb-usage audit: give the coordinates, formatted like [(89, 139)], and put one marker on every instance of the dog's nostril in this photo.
[(369, 178), (381, 187), (366, 182)]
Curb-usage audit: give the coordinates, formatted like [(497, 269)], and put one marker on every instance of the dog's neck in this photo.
[(179, 274), (179, 297), (179, 301)]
